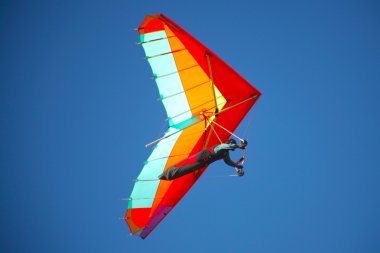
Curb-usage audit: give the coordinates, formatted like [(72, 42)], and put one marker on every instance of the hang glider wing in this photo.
[(197, 89)]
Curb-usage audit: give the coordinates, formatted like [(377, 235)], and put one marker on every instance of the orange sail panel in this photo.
[(196, 88)]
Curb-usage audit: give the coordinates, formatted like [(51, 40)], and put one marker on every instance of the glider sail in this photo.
[(198, 90)]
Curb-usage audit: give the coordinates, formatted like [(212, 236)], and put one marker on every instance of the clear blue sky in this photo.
[(78, 106)]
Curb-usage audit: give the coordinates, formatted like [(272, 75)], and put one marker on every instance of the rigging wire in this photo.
[(149, 180)]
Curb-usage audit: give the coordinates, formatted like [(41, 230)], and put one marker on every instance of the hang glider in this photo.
[(205, 100)]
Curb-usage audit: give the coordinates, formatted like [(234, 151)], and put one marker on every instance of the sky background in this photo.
[(78, 105)]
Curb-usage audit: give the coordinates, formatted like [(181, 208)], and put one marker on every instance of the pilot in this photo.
[(204, 158)]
